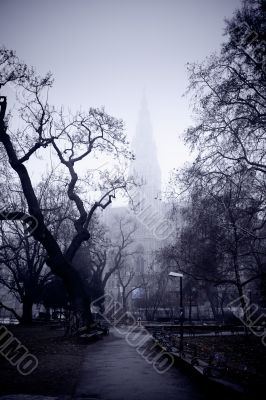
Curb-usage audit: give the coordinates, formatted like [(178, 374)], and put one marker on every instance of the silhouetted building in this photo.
[(145, 207)]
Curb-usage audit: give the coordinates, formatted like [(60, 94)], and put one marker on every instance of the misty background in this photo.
[(107, 53)]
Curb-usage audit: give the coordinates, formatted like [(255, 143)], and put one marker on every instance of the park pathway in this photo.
[(113, 370)]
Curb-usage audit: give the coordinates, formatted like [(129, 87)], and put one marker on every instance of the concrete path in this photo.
[(113, 370)]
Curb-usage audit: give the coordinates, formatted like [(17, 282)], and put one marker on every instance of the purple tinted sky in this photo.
[(105, 52)]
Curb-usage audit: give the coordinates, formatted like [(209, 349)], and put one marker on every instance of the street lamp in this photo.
[(180, 276)]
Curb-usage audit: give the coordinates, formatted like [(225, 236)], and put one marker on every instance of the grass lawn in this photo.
[(59, 363)]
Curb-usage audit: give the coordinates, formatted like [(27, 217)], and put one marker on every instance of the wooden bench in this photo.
[(90, 337)]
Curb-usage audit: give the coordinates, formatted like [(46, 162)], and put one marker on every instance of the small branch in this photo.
[(11, 310)]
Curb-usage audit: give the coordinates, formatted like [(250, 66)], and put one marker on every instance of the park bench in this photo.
[(96, 331), (90, 337), (104, 327), (217, 366)]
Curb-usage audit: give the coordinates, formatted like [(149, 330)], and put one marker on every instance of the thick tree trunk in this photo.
[(26, 318), (243, 304), (198, 313), (241, 293), (190, 309), (60, 265), (211, 301), (222, 313), (124, 301)]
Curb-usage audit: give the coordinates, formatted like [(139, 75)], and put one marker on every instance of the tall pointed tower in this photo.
[(146, 210), (145, 167)]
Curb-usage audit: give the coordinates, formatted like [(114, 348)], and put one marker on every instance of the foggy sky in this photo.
[(105, 52)]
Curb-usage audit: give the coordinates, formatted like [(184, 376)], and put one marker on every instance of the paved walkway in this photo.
[(113, 370)]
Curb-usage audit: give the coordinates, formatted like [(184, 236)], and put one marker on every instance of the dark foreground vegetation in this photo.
[(59, 365), (234, 361)]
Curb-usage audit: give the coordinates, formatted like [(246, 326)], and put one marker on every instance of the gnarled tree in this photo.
[(35, 127)]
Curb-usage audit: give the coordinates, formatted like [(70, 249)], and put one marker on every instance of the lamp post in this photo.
[(180, 276)]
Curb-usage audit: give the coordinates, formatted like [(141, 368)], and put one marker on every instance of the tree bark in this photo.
[(59, 264), (26, 318), (190, 309)]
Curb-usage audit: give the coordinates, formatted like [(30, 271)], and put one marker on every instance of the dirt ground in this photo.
[(59, 362)]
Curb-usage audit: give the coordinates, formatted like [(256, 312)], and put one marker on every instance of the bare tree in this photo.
[(222, 242), (72, 139), (24, 270), (229, 94), (126, 275), (107, 256), (227, 177), (154, 285), (24, 273)]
